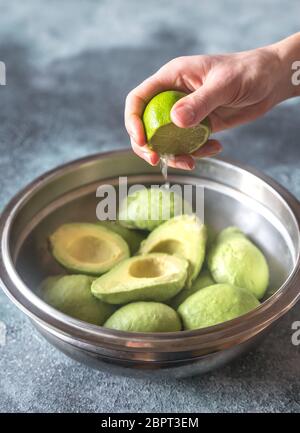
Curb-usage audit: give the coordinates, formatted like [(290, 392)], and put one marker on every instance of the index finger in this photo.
[(136, 102)]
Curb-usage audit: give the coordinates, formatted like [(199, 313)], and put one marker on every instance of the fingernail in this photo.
[(191, 165), (208, 154), (153, 160), (185, 114), (185, 165), (148, 157)]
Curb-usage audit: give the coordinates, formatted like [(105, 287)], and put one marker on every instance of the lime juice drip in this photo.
[(164, 159)]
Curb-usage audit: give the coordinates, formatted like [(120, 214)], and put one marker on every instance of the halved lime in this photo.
[(163, 136)]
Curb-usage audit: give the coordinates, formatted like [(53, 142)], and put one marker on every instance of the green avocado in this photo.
[(144, 317), (49, 282), (215, 304), (132, 237), (234, 259), (146, 209), (183, 236), (72, 295), (152, 277), (203, 280), (88, 248)]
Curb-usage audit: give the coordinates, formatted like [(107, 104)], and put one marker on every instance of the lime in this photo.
[(163, 136)]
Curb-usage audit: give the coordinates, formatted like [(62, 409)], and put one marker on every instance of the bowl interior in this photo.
[(250, 204)]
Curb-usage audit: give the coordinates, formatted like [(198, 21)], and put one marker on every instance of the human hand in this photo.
[(230, 89)]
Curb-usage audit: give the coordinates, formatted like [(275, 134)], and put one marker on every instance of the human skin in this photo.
[(231, 89)]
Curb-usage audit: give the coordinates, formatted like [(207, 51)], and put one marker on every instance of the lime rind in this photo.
[(158, 111)]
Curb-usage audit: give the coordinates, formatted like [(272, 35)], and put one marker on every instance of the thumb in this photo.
[(190, 110)]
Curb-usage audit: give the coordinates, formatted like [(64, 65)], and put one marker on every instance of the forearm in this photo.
[(288, 52)]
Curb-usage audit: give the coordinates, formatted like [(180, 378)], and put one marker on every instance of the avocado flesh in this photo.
[(152, 277), (132, 237), (144, 317), (88, 248), (234, 259), (184, 236), (71, 294), (215, 304), (146, 209), (203, 280)]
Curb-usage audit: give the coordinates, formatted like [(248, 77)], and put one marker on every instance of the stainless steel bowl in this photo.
[(233, 195)]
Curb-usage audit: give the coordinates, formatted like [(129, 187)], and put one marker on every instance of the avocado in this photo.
[(203, 280), (144, 317), (215, 304), (72, 295), (234, 259), (88, 248), (146, 209), (49, 282), (152, 277), (132, 237), (184, 236)]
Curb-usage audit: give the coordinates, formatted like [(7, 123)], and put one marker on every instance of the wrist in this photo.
[(288, 54)]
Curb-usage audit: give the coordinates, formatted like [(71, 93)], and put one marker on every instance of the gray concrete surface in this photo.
[(69, 67)]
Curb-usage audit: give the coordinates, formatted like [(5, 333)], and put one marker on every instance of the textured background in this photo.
[(70, 65)]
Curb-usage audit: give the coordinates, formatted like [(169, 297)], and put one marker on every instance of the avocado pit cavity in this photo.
[(168, 246), (151, 277), (88, 248), (150, 268), (92, 250)]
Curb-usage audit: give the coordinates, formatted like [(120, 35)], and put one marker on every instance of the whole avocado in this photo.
[(215, 304), (234, 259)]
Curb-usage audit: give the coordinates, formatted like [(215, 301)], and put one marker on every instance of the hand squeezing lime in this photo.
[(163, 136)]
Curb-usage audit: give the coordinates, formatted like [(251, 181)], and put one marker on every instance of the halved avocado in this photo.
[(152, 277), (88, 248), (132, 237), (146, 209), (72, 295), (184, 236)]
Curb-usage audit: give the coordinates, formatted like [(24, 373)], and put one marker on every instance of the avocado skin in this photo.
[(203, 280), (215, 304), (71, 294), (146, 209), (145, 317), (235, 260), (118, 286), (132, 237)]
